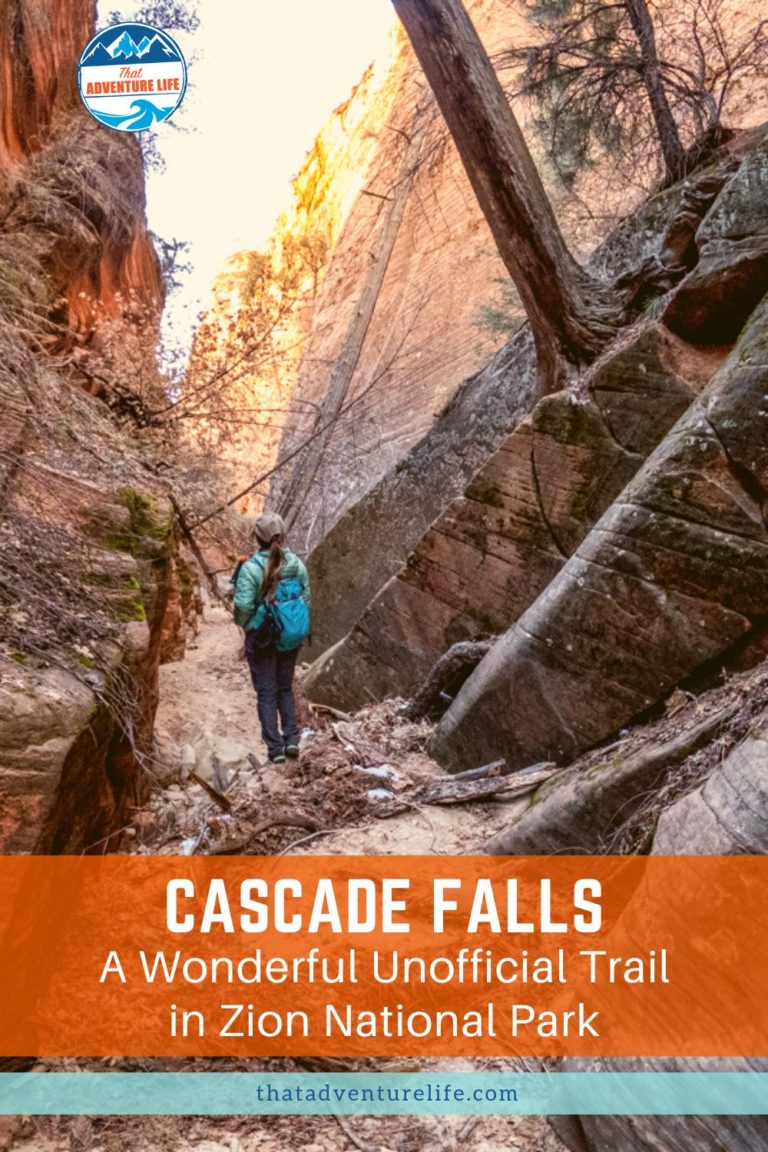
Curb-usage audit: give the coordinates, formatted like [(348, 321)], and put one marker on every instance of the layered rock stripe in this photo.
[(487, 558), (673, 575)]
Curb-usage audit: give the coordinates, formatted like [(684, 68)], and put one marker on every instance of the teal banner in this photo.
[(385, 1094)]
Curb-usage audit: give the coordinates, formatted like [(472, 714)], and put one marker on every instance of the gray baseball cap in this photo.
[(267, 525)]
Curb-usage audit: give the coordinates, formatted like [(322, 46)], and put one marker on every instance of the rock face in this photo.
[(92, 593), (579, 809), (85, 622), (42, 39), (346, 572), (492, 552), (725, 816), (424, 339), (715, 299), (71, 193), (671, 576), (728, 814)]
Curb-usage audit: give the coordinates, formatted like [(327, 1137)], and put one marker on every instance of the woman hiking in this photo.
[(272, 605)]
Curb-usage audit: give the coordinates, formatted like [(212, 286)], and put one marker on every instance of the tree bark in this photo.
[(569, 311), (673, 153)]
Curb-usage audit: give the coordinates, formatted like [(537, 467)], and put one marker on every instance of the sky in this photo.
[(264, 75)]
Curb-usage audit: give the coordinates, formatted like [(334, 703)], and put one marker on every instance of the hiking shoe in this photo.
[(278, 758), (292, 751)]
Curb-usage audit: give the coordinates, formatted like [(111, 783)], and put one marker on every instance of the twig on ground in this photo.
[(295, 821), (467, 1129), (304, 840), (465, 788), (352, 1135), (248, 835), (201, 835), (331, 711), (223, 802)]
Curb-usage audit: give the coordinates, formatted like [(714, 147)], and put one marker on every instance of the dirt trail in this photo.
[(209, 690), (208, 696), (209, 693)]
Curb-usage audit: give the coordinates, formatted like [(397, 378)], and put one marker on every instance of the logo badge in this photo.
[(132, 76)]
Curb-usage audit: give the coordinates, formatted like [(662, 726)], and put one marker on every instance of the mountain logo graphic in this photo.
[(132, 76)]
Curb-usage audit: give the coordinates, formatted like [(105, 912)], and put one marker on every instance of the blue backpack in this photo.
[(285, 619)]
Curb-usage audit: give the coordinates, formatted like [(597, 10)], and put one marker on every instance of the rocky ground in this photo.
[(333, 801), (365, 783), (284, 1133), (352, 772)]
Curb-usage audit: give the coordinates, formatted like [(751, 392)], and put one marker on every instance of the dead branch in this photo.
[(297, 820), (494, 769), (188, 535), (452, 791), (352, 1137), (464, 789), (331, 711), (234, 847), (218, 798), (303, 840), (366, 752), (446, 677)]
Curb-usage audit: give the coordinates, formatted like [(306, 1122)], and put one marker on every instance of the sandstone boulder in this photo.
[(713, 302), (576, 811), (494, 549), (346, 571), (726, 815), (672, 575), (230, 754), (665, 1133), (42, 715), (729, 813)]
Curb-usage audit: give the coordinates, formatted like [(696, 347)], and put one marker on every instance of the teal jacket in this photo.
[(249, 609)]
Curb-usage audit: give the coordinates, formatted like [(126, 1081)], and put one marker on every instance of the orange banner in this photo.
[(372, 956)]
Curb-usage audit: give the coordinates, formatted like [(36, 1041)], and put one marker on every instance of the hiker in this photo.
[(272, 605)]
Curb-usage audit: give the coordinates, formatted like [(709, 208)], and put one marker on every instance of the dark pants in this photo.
[(272, 676)]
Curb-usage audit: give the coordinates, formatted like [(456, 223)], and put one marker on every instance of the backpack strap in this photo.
[(263, 565), (236, 573)]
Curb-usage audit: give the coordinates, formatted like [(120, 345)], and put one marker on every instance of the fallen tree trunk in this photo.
[(472, 787), (452, 791)]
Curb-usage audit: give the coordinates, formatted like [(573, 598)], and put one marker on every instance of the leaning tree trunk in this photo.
[(569, 311), (675, 157)]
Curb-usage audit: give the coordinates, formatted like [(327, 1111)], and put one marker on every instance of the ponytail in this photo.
[(273, 568)]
